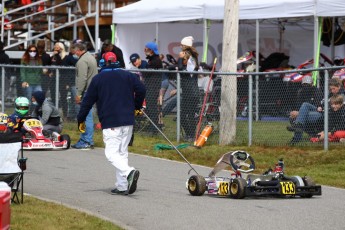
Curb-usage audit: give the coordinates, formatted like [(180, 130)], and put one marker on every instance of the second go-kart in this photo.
[(36, 138), (241, 183)]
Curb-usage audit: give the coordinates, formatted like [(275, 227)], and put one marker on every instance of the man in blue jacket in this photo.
[(117, 94)]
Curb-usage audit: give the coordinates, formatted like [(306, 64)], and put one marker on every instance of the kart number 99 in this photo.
[(223, 188), (288, 188)]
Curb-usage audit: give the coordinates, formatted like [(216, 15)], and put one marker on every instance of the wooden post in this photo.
[(227, 132)]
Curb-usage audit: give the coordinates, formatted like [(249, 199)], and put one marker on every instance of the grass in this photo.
[(326, 168)]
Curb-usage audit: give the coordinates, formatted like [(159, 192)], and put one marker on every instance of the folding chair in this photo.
[(12, 164)]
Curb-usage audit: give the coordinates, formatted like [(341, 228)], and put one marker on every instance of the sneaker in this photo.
[(132, 179), (82, 146), (297, 127), (118, 192)]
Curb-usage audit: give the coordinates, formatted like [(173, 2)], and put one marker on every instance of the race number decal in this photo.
[(223, 188), (32, 123), (288, 188)]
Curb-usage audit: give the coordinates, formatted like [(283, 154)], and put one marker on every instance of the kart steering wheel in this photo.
[(239, 158)]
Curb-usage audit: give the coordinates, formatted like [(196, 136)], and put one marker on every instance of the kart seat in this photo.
[(12, 164)]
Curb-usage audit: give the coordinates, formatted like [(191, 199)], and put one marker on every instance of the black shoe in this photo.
[(298, 127), (294, 141), (132, 181), (118, 192)]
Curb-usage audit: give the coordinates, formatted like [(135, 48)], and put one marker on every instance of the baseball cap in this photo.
[(76, 41), (134, 57), (110, 56), (152, 46), (307, 79)]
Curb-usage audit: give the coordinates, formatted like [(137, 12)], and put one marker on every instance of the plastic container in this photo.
[(5, 202)]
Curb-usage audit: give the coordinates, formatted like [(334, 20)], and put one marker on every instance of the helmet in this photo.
[(22, 105), (3, 122)]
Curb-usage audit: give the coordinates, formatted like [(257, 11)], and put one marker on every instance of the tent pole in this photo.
[(332, 39), (257, 70), (317, 44), (205, 39)]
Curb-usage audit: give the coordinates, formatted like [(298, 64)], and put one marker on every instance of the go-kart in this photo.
[(242, 183), (37, 138)]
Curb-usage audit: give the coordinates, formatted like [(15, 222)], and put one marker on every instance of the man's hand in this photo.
[(138, 112), (81, 126), (77, 99), (293, 114)]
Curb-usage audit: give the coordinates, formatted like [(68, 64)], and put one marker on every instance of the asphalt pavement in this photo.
[(83, 180)]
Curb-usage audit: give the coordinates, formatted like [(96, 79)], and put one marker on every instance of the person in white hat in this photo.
[(188, 60)]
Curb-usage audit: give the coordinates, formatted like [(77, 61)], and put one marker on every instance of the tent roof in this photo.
[(148, 11)]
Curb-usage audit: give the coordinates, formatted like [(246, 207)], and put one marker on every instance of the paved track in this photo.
[(83, 180)]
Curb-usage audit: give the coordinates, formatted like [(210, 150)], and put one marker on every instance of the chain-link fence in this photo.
[(264, 103)]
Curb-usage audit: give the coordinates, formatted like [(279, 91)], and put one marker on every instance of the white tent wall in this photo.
[(298, 40)]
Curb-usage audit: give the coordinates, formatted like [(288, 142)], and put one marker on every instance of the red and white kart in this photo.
[(34, 138)]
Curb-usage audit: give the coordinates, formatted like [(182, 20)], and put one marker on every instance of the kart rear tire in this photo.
[(66, 137), (196, 185), (238, 188), (308, 181)]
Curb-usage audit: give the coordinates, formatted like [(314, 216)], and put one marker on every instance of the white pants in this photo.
[(116, 142)]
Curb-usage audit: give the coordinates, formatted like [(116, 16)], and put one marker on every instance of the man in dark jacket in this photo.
[(4, 58), (109, 47), (117, 94)]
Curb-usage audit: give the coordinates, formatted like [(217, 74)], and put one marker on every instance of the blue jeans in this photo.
[(307, 114), (87, 137), (31, 89)]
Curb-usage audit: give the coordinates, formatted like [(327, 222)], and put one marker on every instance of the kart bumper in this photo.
[(277, 191)]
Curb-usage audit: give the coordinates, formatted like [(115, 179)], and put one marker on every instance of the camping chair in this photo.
[(12, 163)]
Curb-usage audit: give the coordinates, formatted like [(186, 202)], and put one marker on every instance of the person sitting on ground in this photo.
[(46, 112), (311, 115), (21, 110), (336, 121)]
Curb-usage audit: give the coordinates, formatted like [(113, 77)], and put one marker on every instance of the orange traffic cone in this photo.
[(203, 136)]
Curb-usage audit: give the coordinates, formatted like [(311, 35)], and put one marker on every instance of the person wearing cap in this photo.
[(153, 84), (188, 60), (310, 116), (46, 112), (109, 47), (117, 93), (136, 62), (86, 69)]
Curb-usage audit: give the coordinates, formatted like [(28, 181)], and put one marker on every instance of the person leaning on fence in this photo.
[(188, 60), (336, 121), (31, 77), (46, 112), (86, 69), (153, 84), (310, 115), (117, 94)]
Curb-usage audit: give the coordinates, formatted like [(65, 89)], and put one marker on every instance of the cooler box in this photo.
[(5, 201)]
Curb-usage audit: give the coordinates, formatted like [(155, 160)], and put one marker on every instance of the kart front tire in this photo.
[(66, 137), (308, 181), (196, 185), (238, 188)]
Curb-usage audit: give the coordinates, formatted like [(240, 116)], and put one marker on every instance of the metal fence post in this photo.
[(57, 88), (178, 115), (250, 110), (326, 88), (2, 89)]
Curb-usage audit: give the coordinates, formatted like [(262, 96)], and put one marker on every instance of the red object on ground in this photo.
[(5, 211)]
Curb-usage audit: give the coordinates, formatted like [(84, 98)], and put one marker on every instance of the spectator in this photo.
[(46, 82), (109, 47), (112, 90), (57, 58), (188, 60), (336, 121), (4, 58), (46, 112), (86, 69), (136, 62), (310, 115), (31, 77), (153, 84)]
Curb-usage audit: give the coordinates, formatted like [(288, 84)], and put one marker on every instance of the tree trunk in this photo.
[(227, 132)]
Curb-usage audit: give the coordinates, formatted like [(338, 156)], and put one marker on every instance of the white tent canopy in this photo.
[(148, 11)]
